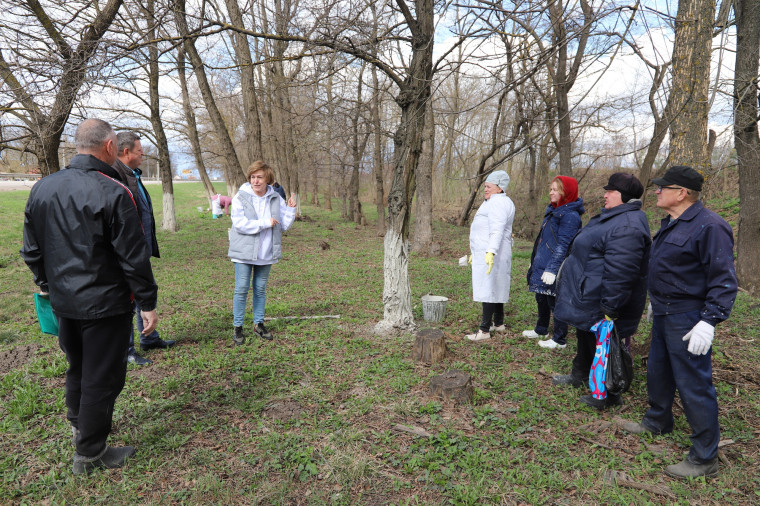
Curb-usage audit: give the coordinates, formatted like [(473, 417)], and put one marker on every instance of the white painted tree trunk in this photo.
[(397, 294), (170, 220)]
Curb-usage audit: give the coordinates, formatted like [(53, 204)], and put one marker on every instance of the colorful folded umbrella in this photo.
[(596, 378)]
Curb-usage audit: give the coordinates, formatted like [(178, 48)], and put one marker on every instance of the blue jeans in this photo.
[(545, 308), (151, 338), (670, 367), (242, 285)]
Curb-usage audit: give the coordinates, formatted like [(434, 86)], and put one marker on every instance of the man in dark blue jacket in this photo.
[(83, 243), (127, 165), (692, 288)]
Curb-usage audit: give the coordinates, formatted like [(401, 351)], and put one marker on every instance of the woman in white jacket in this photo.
[(259, 216), (491, 254)]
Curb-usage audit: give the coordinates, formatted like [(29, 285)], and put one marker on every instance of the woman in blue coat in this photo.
[(605, 275), (562, 220)]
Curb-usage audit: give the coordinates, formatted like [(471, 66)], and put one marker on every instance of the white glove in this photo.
[(548, 277), (700, 338)]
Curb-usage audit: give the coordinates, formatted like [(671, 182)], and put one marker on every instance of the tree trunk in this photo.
[(192, 127), (357, 151), (564, 78), (377, 136), (691, 80), (747, 142), (413, 94), (429, 346), (233, 170), (423, 223), (251, 121), (169, 221)]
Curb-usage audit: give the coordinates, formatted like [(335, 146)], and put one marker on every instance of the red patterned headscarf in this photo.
[(569, 188)]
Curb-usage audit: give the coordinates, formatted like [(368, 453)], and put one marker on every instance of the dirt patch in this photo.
[(17, 357), (282, 411)]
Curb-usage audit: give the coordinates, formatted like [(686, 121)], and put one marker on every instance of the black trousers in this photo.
[(584, 356), (492, 311), (97, 354)]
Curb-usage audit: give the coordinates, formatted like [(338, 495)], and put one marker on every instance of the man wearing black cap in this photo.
[(692, 287)]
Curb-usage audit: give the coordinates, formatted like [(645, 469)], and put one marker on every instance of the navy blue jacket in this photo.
[(605, 272), (550, 249), (692, 266)]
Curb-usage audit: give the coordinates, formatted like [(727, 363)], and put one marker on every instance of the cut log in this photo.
[(429, 346), (452, 385)]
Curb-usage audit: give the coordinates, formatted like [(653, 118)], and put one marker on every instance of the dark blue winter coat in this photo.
[(550, 249), (605, 272)]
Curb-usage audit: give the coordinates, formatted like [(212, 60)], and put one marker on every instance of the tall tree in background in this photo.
[(251, 119), (169, 219), (45, 73), (688, 101), (234, 172), (564, 76), (746, 140), (192, 126)]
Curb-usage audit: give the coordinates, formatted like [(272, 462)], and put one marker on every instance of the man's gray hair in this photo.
[(92, 134), (126, 140)]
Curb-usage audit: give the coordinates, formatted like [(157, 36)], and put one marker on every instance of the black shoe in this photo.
[(688, 469), (262, 331), (567, 379), (157, 344), (238, 338), (600, 404), (134, 358), (109, 458)]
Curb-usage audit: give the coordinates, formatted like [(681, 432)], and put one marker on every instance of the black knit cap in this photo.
[(681, 175), (627, 184)]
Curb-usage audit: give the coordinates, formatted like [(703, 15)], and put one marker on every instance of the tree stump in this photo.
[(429, 346), (454, 385)]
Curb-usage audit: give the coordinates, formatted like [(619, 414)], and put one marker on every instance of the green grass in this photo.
[(309, 418)]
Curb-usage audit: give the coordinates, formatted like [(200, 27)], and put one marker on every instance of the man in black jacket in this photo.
[(83, 243), (127, 164)]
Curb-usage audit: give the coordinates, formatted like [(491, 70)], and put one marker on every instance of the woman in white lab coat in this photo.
[(491, 254)]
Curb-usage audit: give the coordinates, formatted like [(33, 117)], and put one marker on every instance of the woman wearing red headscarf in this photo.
[(562, 220)]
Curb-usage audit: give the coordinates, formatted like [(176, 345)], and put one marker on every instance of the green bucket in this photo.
[(48, 321)]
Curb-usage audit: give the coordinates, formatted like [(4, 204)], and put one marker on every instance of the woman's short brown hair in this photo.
[(261, 165)]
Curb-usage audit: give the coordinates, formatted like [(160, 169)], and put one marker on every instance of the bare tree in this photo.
[(746, 140), (45, 73), (192, 127), (251, 120), (688, 98), (233, 170), (169, 220)]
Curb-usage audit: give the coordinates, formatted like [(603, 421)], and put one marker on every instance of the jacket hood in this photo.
[(570, 189), (575, 206), (247, 188)]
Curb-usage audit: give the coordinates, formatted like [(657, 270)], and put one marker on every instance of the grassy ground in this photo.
[(309, 418)]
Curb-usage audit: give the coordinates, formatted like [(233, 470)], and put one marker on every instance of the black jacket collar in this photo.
[(89, 162)]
